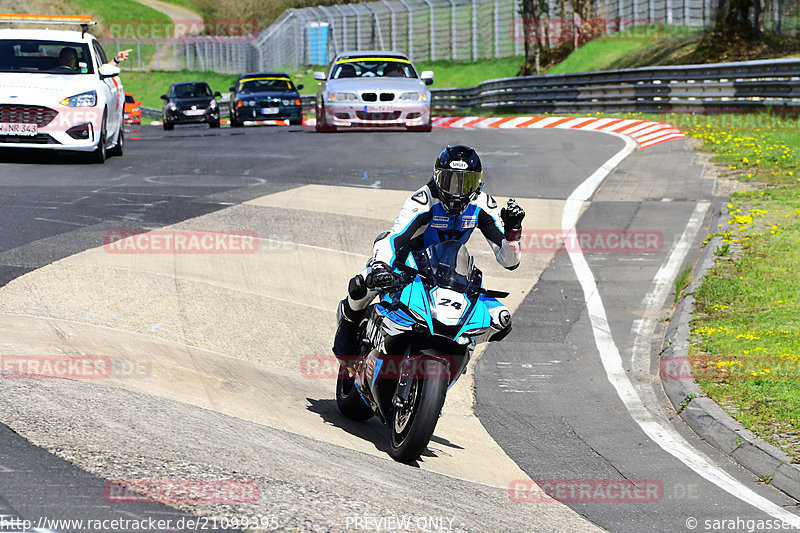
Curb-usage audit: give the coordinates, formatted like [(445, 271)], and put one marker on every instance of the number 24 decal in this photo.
[(448, 301)]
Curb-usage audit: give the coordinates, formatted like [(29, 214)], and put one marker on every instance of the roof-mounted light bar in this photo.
[(81, 20)]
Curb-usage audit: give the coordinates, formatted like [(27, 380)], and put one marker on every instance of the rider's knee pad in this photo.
[(501, 323)]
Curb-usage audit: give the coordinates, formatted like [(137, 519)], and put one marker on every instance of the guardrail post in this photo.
[(358, 25), (432, 33), (410, 29), (394, 24), (517, 27), (474, 30), (496, 28), (776, 16), (343, 30), (452, 29), (331, 31), (377, 24), (139, 61)]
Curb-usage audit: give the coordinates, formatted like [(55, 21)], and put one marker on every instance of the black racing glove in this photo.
[(381, 276), (512, 215)]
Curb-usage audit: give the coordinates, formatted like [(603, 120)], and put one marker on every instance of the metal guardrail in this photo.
[(749, 84)]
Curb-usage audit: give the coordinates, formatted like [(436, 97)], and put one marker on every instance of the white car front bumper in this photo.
[(56, 128), (360, 114)]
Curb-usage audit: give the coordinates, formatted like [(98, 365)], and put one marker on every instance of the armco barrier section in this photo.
[(696, 88)]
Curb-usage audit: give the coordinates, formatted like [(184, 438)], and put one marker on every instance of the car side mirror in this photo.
[(108, 71), (217, 94), (137, 103), (231, 89), (164, 97), (427, 77), (299, 87), (320, 76)]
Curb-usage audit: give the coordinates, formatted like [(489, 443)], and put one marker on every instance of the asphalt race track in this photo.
[(218, 358)]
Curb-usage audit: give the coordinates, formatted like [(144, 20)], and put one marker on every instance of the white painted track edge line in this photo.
[(616, 374)]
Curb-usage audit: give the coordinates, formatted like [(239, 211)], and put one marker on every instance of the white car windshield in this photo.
[(52, 57), (373, 67)]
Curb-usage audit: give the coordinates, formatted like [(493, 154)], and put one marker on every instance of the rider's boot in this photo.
[(346, 344)]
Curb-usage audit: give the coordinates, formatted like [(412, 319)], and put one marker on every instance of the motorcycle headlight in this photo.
[(342, 97), (87, 99), (412, 96)]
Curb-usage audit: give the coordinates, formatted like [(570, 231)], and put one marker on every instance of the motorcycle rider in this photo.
[(449, 207)]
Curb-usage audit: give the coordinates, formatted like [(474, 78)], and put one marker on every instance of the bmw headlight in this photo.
[(412, 96), (342, 97), (87, 99)]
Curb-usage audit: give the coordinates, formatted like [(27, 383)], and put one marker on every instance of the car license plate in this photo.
[(379, 109), (194, 112), (269, 110), (27, 130)]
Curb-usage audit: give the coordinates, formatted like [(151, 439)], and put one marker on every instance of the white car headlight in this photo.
[(213, 104), (412, 96), (342, 97), (87, 99)]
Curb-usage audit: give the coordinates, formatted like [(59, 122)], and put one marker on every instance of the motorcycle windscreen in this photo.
[(449, 263)]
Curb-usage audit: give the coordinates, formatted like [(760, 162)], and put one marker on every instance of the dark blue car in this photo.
[(265, 96)]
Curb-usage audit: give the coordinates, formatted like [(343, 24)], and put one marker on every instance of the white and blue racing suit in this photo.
[(423, 221)]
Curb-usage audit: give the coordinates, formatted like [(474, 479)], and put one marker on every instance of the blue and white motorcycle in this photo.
[(416, 342)]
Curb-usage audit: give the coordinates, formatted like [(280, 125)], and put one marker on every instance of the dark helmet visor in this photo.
[(457, 182)]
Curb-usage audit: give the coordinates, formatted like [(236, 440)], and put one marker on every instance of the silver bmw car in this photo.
[(373, 89)]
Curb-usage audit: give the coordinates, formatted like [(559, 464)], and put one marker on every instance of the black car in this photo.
[(190, 102), (265, 96)]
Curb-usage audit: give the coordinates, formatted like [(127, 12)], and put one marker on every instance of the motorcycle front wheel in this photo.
[(413, 424)]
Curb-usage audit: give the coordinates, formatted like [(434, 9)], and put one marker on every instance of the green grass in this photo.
[(192, 5), (121, 18), (462, 74), (620, 50), (681, 282), (106, 12), (746, 329), (148, 86)]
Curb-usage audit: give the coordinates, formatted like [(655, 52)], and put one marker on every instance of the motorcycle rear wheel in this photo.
[(349, 401), (413, 425)]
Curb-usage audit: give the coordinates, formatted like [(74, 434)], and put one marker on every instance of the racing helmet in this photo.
[(457, 174)]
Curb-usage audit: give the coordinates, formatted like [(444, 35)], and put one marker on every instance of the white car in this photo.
[(373, 89), (58, 93)]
